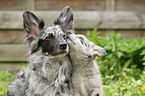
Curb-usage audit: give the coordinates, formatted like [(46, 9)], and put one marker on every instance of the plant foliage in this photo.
[(125, 57), (5, 79), (123, 68)]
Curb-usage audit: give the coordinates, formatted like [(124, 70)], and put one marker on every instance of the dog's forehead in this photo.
[(54, 29)]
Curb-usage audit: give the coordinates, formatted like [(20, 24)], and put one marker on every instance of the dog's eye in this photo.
[(64, 36), (69, 33), (81, 38), (50, 36)]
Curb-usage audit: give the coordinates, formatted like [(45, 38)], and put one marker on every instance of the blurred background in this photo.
[(124, 16), (96, 19)]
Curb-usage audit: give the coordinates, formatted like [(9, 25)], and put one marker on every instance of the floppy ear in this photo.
[(32, 25), (65, 20)]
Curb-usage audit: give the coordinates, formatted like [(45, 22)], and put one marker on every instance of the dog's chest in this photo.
[(51, 70)]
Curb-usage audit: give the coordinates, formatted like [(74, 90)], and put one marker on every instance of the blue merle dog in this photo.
[(49, 69)]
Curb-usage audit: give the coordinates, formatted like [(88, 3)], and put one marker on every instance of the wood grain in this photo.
[(130, 5), (82, 19), (15, 5), (13, 52), (74, 4), (12, 36)]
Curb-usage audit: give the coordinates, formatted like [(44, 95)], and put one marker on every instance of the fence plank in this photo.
[(130, 5), (12, 36), (14, 20), (110, 5), (13, 52), (83, 19), (75, 4), (15, 5)]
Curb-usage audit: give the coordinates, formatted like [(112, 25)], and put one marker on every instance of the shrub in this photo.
[(125, 57)]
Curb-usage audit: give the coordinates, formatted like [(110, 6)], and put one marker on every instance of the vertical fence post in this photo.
[(110, 5), (32, 3)]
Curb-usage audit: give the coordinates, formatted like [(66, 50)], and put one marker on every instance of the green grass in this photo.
[(122, 87), (5, 79)]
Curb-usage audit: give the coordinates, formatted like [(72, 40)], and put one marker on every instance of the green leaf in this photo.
[(127, 63)]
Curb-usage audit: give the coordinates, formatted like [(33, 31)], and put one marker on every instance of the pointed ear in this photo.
[(32, 24), (65, 19)]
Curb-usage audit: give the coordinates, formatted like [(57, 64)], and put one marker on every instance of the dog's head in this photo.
[(83, 45), (50, 40)]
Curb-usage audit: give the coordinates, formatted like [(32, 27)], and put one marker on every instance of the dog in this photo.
[(86, 77), (49, 69)]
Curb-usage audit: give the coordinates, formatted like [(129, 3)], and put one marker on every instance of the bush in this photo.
[(125, 57)]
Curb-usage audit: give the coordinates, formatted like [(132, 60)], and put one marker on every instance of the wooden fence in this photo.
[(124, 16)]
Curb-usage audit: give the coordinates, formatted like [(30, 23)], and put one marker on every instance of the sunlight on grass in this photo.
[(125, 87)]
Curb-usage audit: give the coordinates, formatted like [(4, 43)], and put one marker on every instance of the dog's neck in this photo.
[(47, 63)]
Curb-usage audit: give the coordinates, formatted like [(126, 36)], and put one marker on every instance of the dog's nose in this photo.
[(63, 46)]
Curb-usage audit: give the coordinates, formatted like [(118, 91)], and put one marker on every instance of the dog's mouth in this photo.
[(60, 54)]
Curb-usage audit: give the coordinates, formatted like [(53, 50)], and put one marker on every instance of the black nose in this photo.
[(63, 46)]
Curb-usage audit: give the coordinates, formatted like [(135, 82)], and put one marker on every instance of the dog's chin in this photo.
[(56, 55), (62, 54)]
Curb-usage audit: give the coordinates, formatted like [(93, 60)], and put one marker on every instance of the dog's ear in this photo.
[(32, 25), (65, 19)]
